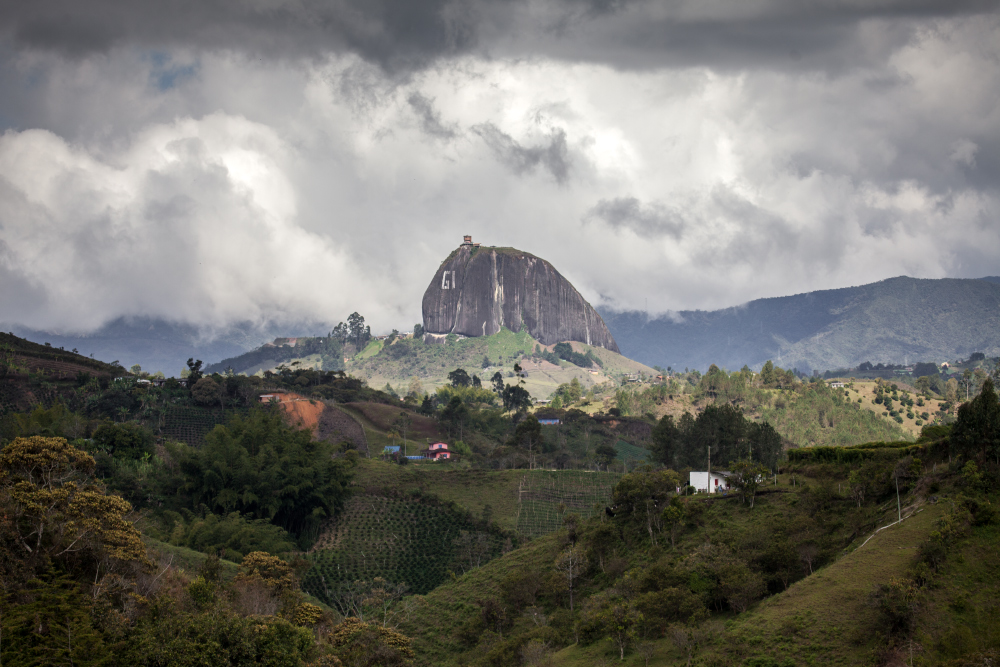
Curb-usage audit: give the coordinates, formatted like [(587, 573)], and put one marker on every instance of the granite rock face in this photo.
[(477, 290)]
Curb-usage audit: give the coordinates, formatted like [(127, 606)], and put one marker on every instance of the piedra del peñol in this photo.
[(478, 290)]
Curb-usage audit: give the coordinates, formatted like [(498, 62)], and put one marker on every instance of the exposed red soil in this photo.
[(301, 411)]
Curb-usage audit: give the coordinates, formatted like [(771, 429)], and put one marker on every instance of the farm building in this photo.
[(437, 451), (709, 482), (836, 384), (548, 421)]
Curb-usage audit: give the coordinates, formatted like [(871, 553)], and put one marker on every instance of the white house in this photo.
[(713, 482)]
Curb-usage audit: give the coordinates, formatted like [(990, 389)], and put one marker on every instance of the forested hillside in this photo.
[(888, 321)]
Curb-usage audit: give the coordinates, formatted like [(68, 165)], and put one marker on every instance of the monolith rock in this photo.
[(478, 290)]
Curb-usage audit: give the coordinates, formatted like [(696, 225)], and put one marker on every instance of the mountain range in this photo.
[(899, 320)]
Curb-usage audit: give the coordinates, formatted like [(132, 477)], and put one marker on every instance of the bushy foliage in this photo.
[(685, 442), (260, 467), (976, 432)]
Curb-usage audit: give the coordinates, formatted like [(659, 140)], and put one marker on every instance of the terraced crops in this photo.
[(542, 492), (190, 424), (401, 541)]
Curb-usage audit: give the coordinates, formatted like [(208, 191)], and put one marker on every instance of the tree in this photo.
[(258, 465), (459, 378), (687, 639), (342, 333), (977, 428), (418, 331), (764, 443), (402, 424), (673, 517), (476, 382), (124, 441), (666, 441), (455, 415), (206, 391), (49, 623), (194, 371), (605, 454), (528, 434), (59, 512), (746, 478), (617, 618), (515, 397), (360, 644), (357, 331), (497, 382), (767, 374), (571, 563)]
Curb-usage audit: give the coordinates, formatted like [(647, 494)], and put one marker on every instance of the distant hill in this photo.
[(397, 364), (159, 345), (897, 320)]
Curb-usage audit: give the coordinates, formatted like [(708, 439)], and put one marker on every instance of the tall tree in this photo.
[(459, 378), (977, 428), (358, 332)]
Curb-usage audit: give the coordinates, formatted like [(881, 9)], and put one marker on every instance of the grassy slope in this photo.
[(826, 417), (959, 613), (377, 419), (400, 362), (821, 619), (186, 559)]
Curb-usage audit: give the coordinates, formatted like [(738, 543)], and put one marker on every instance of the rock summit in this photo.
[(477, 290)]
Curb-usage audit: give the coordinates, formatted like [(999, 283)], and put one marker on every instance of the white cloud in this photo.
[(306, 189)]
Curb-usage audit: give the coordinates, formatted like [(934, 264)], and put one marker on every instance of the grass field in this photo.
[(186, 559)]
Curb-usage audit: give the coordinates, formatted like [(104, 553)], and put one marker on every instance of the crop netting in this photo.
[(190, 424), (545, 496), (403, 542), (631, 454)]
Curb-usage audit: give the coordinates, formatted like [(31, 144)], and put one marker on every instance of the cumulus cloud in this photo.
[(192, 221), (304, 160)]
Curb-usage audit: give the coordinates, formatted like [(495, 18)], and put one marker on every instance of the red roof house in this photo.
[(437, 451)]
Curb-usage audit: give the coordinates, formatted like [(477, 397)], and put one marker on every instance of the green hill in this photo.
[(397, 364), (892, 321), (804, 577)]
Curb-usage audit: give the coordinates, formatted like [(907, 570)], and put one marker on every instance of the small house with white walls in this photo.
[(716, 481)]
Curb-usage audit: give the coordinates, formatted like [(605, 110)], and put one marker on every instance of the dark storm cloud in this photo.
[(645, 220), (403, 34), (390, 32), (553, 156), (430, 118)]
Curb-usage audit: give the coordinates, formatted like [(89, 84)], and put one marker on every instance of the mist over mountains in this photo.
[(898, 320), (159, 345)]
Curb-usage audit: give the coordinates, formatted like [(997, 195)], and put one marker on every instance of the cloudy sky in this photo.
[(211, 161)]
